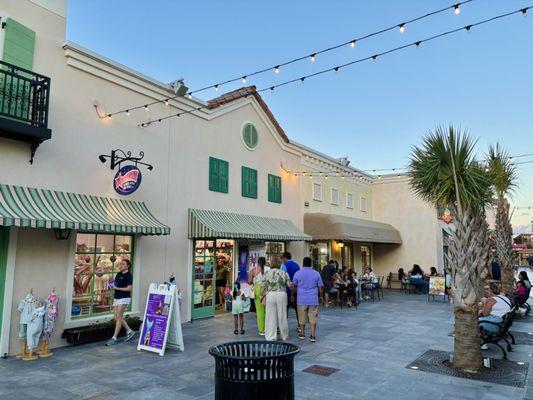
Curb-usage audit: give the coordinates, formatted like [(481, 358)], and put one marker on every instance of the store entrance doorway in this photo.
[(4, 241)]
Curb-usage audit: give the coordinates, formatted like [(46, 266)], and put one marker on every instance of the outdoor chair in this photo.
[(369, 288), (380, 287), (502, 334)]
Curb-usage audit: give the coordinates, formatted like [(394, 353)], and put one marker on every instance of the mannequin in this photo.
[(26, 308), (49, 323), (34, 330)]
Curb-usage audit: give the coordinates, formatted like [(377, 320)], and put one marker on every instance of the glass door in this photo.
[(203, 291)]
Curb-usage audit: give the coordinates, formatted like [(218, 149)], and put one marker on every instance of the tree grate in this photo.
[(503, 372)]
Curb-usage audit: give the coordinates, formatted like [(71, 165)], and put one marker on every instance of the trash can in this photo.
[(254, 370)]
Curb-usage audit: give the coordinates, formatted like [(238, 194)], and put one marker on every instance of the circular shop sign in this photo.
[(127, 180)]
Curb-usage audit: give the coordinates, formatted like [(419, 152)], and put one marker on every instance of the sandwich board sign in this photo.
[(161, 326)]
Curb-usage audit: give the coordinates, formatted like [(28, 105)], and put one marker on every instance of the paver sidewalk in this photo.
[(371, 346)]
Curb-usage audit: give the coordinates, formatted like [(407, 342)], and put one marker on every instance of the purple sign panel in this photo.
[(156, 320), (127, 180)]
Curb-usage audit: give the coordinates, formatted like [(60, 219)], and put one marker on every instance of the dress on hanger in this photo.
[(35, 327), (26, 308), (50, 316)]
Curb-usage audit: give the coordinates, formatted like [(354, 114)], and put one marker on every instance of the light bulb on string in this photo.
[(127, 112), (336, 69), (216, 88), (457, 9), (313, 57), (352, 44), (190, 95), (146, 108), (166, 102), (244, 79), (276, 69), (108, 116), (325, 177), (402, 28)]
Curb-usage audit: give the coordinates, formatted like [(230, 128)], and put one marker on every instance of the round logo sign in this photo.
[(127, 180)]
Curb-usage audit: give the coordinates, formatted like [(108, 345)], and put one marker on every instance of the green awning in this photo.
[(41, 208), (219, 224)]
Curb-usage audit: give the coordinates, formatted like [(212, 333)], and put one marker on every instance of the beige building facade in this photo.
[(227, 186)]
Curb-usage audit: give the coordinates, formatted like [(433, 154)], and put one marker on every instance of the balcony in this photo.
[(24, 99)]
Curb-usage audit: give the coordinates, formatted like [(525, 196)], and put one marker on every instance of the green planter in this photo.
[(98, 332)]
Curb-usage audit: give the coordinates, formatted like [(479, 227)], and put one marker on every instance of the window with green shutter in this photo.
[(218, 175), (249, 182), (250, 136), (274, 188), (19, 46)]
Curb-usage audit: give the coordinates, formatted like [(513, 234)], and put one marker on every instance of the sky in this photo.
[(372, 112)]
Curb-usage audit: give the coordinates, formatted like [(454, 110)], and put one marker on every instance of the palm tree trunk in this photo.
[(466, 351), (504, 245), (468, 255)]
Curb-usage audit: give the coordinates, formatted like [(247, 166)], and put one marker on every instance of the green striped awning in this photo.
[(219, 224), (41, 208)]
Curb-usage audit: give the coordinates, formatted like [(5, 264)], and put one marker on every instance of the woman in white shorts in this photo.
[(121, 300)]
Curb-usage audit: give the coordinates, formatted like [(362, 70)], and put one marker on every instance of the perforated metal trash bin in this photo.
[(254, 370)]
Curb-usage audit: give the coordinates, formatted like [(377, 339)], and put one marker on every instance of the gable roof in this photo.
[(245, 92)]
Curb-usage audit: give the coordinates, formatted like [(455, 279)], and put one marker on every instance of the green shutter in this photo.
[(19, 44), (274, 188), (218, 175), (249, 182)]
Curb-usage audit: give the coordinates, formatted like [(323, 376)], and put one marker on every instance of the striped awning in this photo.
[(41, 208), (219, 224)]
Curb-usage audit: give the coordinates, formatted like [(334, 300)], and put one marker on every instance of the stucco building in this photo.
[(215, 191)]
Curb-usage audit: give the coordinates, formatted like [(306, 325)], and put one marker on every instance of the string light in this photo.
[(108, 116), (373, 57), (166, 102), (145, 108), (216, 88), (276, 68), (402, 28), (127, 112), (313, 57), (457, 9)]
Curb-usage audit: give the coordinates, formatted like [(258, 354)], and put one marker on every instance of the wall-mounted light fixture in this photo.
[(62, 234), (340, 244), (119, 156)]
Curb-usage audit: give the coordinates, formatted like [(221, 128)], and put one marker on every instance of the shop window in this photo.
[(218, 175), (335, 196), (249, 182), (349, 200), (250, 136), (363, 205), (317, 191), (96, 262), (274, 188)]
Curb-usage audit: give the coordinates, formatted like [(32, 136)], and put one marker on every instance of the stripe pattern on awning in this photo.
[(219, 224), (42, 208)]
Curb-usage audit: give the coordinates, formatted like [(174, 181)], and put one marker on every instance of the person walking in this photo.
[(308, 284), (122, 298), (256, 278), (327, 275), (275, 282), (291, 267)]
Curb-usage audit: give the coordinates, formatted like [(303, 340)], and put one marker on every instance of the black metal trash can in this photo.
[(256, 370)]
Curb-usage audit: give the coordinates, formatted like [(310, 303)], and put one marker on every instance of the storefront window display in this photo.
[(96, 263), (319, 253), (213, 271)]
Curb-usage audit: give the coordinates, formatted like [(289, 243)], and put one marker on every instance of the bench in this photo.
[(502, 334)]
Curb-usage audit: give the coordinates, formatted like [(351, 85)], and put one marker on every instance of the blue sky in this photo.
[(372, 112)]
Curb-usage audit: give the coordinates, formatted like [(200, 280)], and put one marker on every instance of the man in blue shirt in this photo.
[(291, 268)]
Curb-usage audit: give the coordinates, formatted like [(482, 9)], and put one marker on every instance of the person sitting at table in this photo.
[(417, 279), (433, 272), (370, 281), (495, 306)]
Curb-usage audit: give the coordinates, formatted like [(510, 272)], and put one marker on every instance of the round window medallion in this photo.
[(250, 136)]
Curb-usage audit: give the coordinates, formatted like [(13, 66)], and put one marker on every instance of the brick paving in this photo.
[(370, 346)]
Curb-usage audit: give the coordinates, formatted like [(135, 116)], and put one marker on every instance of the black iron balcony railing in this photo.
[(24, 95), (24, 99)]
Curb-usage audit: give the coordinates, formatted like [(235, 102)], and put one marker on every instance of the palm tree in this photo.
[(444, 172), (503, 176)]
